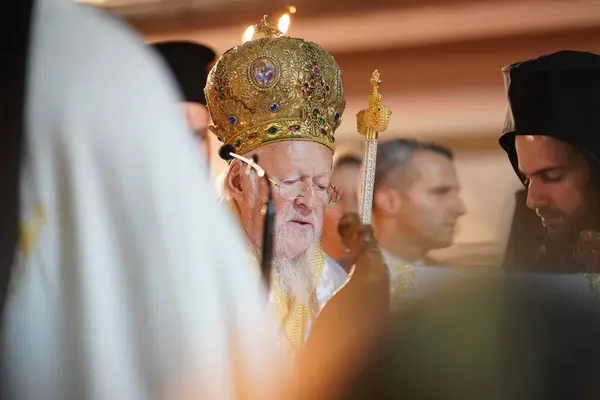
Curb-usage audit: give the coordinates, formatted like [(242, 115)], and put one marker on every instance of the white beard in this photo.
[(295, 277)]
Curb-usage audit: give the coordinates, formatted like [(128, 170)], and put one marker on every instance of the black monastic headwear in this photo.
[(556, 95), (189, 64)]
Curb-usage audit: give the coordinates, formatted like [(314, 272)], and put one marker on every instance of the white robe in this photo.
[(130, 277), (332, 278)]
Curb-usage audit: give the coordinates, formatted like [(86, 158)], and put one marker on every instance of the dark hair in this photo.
[(347, 160), (398, 152)]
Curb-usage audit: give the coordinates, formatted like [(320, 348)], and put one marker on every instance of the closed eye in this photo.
[(550, 177)]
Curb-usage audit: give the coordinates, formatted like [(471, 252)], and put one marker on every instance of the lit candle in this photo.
[(248, 34), (284, 23)]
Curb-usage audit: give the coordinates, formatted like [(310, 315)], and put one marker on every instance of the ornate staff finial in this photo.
[(376, 118), (266, 29), (375, 81), (369, 123)]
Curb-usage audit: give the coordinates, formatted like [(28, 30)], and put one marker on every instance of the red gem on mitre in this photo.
[(316, 70), (324, 131), (252, 135)]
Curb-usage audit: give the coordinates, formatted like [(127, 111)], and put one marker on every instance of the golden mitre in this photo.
[(275, 88)]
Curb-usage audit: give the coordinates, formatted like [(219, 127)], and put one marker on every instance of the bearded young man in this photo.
[(550, 139), (281, 99)]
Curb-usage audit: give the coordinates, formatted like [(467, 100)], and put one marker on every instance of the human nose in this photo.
[(536, 195), (460, 207), (308, 196)]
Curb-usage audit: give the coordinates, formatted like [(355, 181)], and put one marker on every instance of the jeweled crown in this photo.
[(275, 88)]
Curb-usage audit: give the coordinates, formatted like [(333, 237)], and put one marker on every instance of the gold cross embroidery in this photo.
[(30, 230)]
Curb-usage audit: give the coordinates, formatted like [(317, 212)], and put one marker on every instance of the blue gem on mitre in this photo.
[(336, 116), (232, 120), (263, 72), (274, 107)]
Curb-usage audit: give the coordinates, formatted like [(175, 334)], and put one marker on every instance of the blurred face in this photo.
[(197, 116), (303, 171), (431, 204), (558, 184)]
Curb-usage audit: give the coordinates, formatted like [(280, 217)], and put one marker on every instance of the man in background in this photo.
[(416, 207), (189, 63), (119, 288), (346, 177)]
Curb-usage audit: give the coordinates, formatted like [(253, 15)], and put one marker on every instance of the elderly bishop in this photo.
[(280, 99)]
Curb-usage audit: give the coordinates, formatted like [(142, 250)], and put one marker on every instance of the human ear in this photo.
[(387, 200), (234, 181)]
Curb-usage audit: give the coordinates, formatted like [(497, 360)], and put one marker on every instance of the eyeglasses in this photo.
[(291, 189)]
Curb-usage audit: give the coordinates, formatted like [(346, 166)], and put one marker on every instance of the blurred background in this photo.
[(440, 61)]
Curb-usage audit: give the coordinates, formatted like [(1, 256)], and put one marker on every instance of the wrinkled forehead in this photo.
[(297, 157)]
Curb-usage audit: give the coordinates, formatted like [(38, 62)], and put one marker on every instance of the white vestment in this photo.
[(332, 278), (129, 277)]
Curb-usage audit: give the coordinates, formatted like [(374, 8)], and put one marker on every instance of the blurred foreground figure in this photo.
[(189, 63), (494, 340), (121, 290), (346, 177), (348, 327), (551, 140)]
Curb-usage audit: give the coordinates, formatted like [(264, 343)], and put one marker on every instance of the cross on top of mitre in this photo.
[(266, 29)]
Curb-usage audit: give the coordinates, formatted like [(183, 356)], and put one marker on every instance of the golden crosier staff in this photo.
[(370, 123)]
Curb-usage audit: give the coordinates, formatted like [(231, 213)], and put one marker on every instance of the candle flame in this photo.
[(248, 34), (284, 23)]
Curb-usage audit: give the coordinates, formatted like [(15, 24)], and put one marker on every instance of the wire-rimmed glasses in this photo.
[(291, 189)]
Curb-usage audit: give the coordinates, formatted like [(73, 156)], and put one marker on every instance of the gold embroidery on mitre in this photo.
[(275, 88)]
